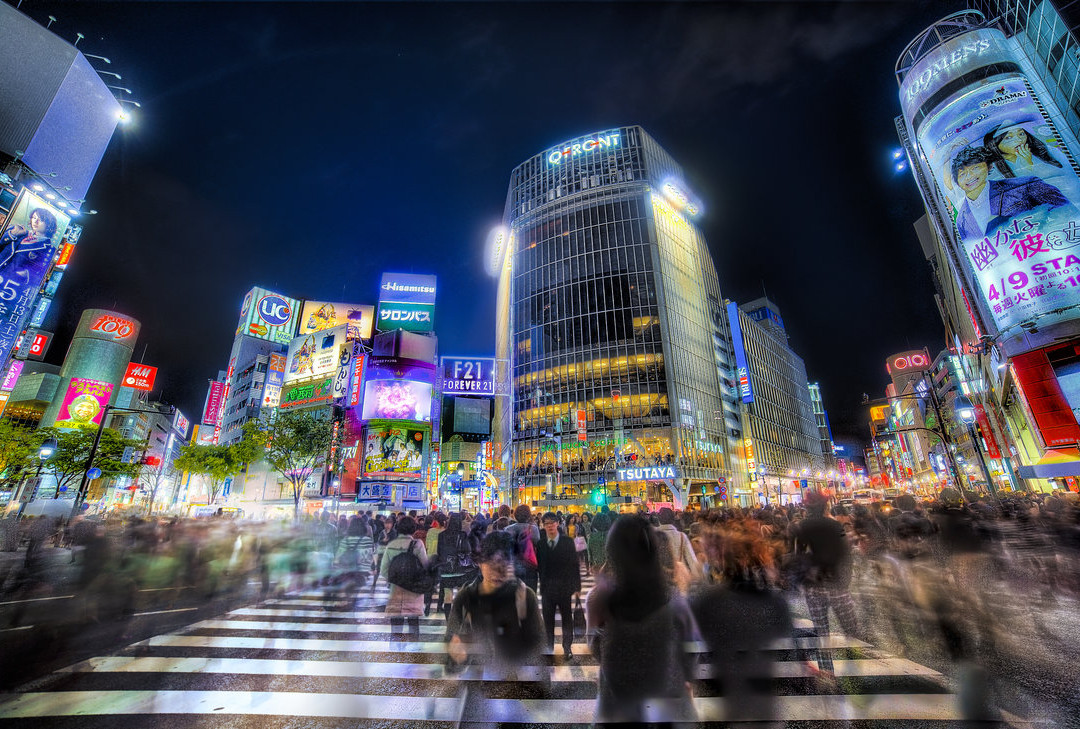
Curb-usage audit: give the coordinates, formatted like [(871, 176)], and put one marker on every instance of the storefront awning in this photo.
[(1054, 464)]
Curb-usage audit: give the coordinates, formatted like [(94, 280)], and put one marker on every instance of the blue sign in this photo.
[(93, 473), (803, 483), (228, 487), (600, 480), (746, 389), (274, 310), (468, 375), (373, 492), (407, 288)]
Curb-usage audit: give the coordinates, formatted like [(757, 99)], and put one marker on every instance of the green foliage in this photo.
[(72, 457), (18, 453), (297, 444), (218, 462)]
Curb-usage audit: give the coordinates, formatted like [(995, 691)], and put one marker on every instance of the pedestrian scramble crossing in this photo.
[(301, 660)]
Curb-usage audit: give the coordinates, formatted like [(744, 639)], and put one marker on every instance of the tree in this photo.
[(18, 453), (72, 457), (218, 461), (297, 444)]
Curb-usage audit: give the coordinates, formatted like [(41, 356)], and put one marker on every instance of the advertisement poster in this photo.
[(267, 315), (397, 400), (140, 376), (318, 316), (84, 404), (393, 451), (213, 403), (1012, 195), (28, 242), (313, 355), (307, 394)]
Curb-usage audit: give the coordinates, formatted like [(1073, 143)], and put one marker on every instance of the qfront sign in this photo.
[(649, 473), (579, 147)]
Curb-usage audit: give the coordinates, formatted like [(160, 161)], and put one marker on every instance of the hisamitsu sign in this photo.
[(649, 473)]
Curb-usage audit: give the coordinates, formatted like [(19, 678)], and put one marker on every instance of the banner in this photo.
[(84, 404), (28, 242), (213, 403), (393, 451), (318, 316)]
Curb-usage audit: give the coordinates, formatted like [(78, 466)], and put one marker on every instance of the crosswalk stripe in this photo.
[(880, 667), (911, 707), (374, 646)]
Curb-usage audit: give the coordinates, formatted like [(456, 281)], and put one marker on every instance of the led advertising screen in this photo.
[(28, 242), (393, 451), (397, 400), (472, 415), (314, 355), (407, 288), (267, 315), (468, 375), (320, 315), (84, 404)]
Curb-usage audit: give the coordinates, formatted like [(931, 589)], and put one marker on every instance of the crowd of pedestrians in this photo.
[(725, 580)]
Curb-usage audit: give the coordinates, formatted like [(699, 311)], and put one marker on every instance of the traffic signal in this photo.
[(598, 496)]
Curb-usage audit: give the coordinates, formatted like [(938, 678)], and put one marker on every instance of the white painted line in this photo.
[(162, 612), (37, 599)]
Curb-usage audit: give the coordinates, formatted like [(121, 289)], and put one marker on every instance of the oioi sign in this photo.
[(913, 360)]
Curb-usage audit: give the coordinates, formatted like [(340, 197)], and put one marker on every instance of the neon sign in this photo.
[(117, 327), (590, 144), (909, 360)]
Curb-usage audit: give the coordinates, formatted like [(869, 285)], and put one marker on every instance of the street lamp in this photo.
[(45, 452), (966, 412)]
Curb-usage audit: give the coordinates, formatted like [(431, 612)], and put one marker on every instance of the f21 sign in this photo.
[(468, 375)]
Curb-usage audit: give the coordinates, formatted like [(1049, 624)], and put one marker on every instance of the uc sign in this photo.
[(909, 361), (274, 310)]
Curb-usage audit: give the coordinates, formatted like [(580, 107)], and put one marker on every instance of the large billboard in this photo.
[(267, 315), (307, 393), (28, 241), (316, 354), (393, 451), (397, 400), (468, 375), (407, 288), (319, 315), (410, 317), (1004, 180), (84, 404)]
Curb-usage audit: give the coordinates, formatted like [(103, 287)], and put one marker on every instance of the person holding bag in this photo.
[(404, 565)]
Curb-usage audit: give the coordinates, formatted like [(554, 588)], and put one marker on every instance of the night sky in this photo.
[(309, 147)]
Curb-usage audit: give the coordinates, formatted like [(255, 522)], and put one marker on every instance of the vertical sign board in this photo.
[(213, 403), (28, 241), (12, 375), (1005, 182), (581, 425), (181, 424), (746, 388)]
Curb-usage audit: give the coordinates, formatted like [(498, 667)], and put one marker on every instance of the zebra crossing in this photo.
[(305, 660)]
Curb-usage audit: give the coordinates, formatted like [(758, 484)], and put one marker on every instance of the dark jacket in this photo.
[(560, 573), (827, 544)]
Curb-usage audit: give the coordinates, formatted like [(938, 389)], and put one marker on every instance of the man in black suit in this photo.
[(560, 580)]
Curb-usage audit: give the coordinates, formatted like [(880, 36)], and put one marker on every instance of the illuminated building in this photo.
[(782, 442), (822, 418), (58, 119), (989, 122), (614, 367)]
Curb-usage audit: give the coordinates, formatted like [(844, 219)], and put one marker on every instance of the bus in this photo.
[(866, 496)]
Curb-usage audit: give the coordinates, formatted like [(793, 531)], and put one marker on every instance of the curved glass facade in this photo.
[(611, 327)]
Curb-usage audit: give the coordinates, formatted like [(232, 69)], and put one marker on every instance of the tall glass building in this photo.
[(614, 356)]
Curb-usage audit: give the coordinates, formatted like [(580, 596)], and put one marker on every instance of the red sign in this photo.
[(65, 255), (1042, 393), (40, 345), (581, 426), (908, 361), (213, 403), (114, 325), (358, 375), (987, 432), (140, 376)]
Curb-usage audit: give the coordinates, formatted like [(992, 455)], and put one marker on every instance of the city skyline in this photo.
[(218, 185)]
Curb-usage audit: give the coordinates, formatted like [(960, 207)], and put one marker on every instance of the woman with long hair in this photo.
[(638, 631), (1019, 153)]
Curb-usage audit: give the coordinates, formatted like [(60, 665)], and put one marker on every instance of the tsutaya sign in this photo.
[(650, 473), (583, 146)]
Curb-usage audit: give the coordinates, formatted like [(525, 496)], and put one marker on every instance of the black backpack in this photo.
[(408, 572)]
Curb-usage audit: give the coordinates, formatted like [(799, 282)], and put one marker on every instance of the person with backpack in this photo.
[(405, 568), (495, 620), (526, 537)]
